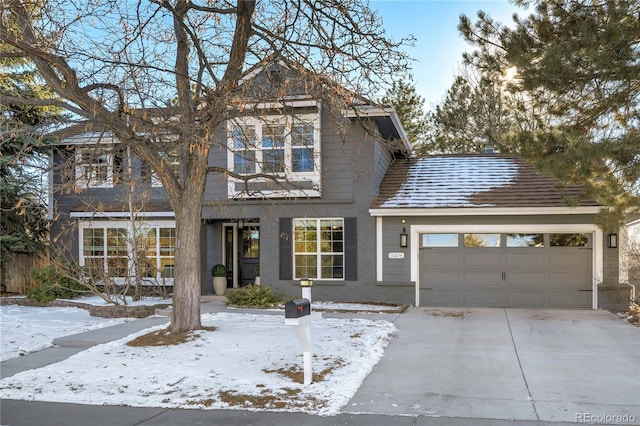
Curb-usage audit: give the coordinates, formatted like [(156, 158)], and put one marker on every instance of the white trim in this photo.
[(295, 103), (107, 215), (288, 175), (318, 253), (367, 111), (598, 250), (379, 250), (50, 199), (484, 211)]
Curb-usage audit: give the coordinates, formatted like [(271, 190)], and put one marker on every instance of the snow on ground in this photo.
[(27, 329), (239, 365), (355, 307)]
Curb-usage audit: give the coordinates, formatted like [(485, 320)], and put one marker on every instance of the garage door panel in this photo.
[(570, 257), (525, 280), (525, 298), (480, 278), (534, 258), (570, 299), (439, 259), (484, 298), (482, 258), (570, 280), (437, 278)]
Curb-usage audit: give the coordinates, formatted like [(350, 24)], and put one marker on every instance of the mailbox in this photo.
[(297, 308)]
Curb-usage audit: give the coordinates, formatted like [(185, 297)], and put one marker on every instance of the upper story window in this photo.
[(285, 147), (94, 168), (173, 159)]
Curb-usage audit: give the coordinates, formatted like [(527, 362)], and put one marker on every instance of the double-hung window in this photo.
[(318, 248), (94, 168), (120, 250), (286, 148)]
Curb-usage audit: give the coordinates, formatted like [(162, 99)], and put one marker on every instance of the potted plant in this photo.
[(257, 273), (219, 273)]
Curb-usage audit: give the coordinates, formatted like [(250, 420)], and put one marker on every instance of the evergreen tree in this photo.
[(23, 156), (476, 113), (402, 96), (579, 62)]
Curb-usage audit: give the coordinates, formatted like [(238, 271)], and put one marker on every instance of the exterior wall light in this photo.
[(404, 238), (306, 282), (613, 240)]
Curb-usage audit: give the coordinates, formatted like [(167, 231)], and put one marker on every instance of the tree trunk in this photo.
[(187, 278), (186, 283)]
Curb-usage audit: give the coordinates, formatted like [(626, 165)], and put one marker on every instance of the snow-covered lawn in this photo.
[(26, 329), (245, 363)]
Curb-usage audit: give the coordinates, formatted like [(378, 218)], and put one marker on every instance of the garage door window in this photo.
[(482, 240), (525, 240), (569, 240), (439, 240)]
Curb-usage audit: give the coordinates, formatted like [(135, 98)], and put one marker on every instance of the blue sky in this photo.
[(439, 46)]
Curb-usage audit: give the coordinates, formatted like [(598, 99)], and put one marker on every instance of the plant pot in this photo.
[(219, 285), (257, 280)]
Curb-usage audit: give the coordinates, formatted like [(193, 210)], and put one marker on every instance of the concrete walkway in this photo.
[(446, 367)]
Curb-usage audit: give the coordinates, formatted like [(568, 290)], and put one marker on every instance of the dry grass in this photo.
[(165, 337), (632, 315), (447, 314), (297, 375)]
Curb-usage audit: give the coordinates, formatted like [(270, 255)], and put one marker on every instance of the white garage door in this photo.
[(506, 270)]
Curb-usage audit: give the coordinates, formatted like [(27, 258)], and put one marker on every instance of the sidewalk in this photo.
[(441, 370)]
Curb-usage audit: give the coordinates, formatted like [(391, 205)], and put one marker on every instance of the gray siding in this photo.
[(350, 175)]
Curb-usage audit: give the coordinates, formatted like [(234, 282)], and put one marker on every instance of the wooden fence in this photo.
[(17, 274)]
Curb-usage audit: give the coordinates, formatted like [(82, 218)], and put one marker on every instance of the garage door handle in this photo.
[(426, 288), (587, 290)]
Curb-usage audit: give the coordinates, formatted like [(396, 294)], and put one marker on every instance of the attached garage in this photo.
[(546, 270), (490, 231)]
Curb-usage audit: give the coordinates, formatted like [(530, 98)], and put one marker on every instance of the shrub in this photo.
[(51, 283), (254, 296)]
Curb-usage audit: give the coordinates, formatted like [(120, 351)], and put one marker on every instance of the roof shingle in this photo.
[(480, 180)]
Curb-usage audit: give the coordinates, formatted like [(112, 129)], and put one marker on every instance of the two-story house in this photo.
[(347, 206)]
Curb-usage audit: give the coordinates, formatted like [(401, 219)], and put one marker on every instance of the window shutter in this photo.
[(350, 249), (286, 248)]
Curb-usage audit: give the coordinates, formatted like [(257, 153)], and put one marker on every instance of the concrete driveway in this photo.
[(522, 364)]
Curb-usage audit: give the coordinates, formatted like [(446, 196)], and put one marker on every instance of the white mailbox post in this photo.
[(298, 314)]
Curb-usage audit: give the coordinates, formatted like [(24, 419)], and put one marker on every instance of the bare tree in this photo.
[(117, 65)]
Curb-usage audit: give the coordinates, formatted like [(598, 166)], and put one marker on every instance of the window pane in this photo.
[(272, 136), (273, 161), (93, 241), (244, 162), (305, 234), (482, 240), (525, 240), (306, 266), (244, 136), (569, 240), (116, 242), (302, 160), (167, 241), (302, 134), (332, 266), (250, 243), (439, 240)]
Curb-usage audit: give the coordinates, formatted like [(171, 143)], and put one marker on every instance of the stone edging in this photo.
[(107, 311)]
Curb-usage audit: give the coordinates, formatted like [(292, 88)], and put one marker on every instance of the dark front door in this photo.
[(249, 254)]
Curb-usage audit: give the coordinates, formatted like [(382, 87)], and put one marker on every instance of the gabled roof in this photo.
[(472, 181)]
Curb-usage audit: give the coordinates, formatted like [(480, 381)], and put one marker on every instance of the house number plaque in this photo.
[(396, 255)]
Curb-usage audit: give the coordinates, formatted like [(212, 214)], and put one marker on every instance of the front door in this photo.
[(249, 254)]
